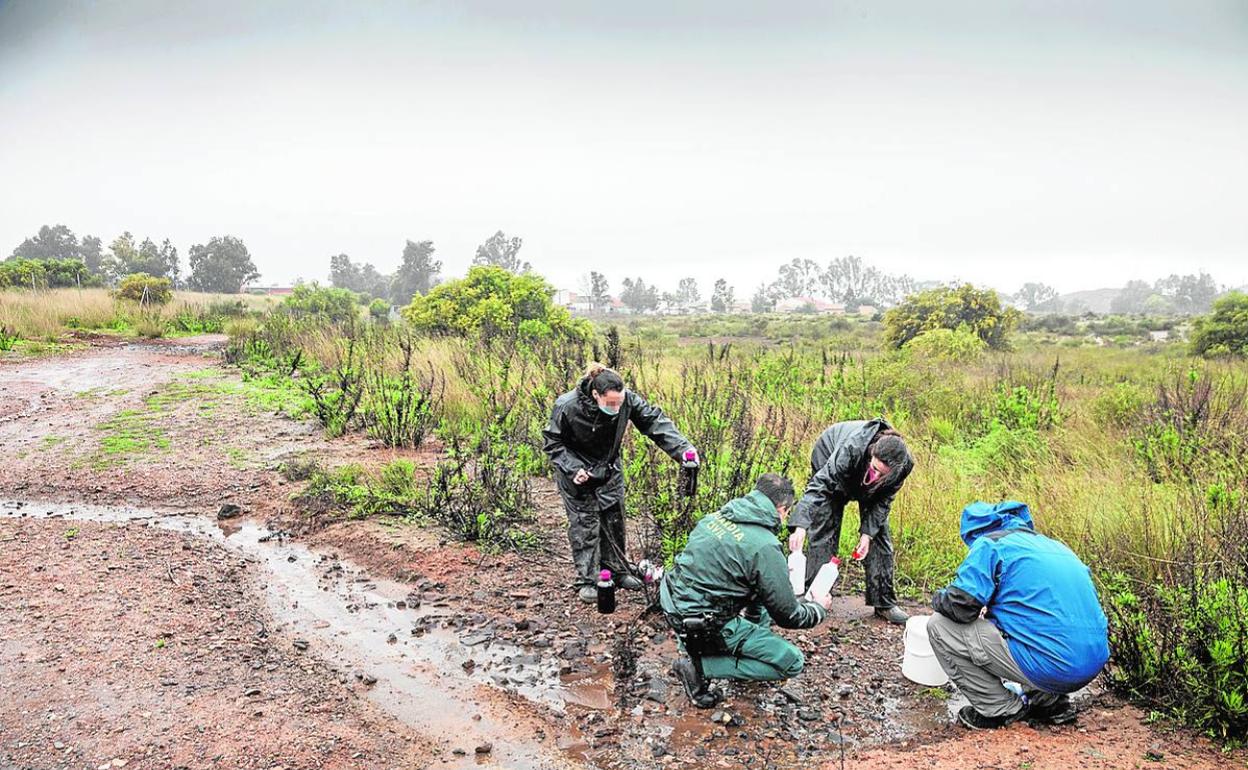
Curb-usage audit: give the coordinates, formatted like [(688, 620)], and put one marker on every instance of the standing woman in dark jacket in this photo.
[(865, 461), (583, 441)]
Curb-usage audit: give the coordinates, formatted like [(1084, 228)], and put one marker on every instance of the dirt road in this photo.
[(141, 631)]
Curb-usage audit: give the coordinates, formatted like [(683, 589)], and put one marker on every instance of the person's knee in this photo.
[(939, 629), (790, 661)]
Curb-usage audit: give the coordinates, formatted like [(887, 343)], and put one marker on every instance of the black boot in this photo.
[(894, 615), (977, 721), (703, 697), (1059, 712)]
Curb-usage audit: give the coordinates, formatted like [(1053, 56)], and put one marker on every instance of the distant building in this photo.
[(1161, 335)]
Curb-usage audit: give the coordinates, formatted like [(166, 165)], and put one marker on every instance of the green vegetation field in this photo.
[(1130, 450)]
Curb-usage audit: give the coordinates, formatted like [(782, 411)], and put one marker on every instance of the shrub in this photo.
[(379, 310), (481, 493), (145, 289), (961, 345), (1180, 645), (311, 302), (402, 409), (1224, 331), (392, 490), (979, 310), (336, 390), (21, 273), (1120, 406), (491, 301), (149, 324), (8, 338)]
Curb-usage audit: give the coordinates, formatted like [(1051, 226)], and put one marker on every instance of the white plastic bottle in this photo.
[(797, 572), (821, 587)]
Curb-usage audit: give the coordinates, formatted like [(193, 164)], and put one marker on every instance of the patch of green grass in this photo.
[(100, 392), (71, 533), (41, 348), (268, 393), (939, 693), (50, 441), (131, 432), (237, 458)]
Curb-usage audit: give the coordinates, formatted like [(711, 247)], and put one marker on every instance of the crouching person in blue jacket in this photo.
[(1022, 609)]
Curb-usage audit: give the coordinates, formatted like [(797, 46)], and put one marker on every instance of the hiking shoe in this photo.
[(695, 686), (894, 615), (977, 721), (1059, 712), (629, 582), (588, 594)]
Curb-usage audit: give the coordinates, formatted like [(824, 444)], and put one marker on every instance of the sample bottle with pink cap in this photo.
[(606, 592)]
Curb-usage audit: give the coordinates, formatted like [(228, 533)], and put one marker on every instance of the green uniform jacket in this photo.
[(734, 562)]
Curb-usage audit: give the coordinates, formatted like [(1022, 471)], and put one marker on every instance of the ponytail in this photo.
[(603, 380)]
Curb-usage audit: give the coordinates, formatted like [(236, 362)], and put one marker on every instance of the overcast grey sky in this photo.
[(1078, 143)]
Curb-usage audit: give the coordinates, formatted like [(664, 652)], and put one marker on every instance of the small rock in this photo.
[(300, 644), (228, 511), (252, 692), (369, 680), (809, 715), (484, 748)]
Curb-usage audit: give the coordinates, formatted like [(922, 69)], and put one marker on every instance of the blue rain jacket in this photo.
[(1037, 593)]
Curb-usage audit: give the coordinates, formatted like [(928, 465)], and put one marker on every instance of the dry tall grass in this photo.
[(49, 315)]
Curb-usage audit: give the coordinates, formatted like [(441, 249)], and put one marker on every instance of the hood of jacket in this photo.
[(850, 442), (755, 508), (979, 519)]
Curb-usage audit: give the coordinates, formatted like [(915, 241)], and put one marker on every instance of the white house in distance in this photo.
[(572, 300)]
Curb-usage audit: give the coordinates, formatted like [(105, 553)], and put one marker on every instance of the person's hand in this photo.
[(581, 477), (796, 540), (824, 601), (864, 545)]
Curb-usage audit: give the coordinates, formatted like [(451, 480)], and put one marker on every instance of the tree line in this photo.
[(845, 280), (1191, 294), (55, 256)]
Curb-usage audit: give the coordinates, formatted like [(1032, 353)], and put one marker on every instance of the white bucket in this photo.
[(919, 663)]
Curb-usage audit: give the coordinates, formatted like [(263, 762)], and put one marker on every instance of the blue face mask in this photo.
[(613, 411)]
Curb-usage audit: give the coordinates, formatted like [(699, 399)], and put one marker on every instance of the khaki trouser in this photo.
[(977, 660)]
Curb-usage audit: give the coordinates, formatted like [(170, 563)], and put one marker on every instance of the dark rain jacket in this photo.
[(733, 562), (1037, 593), (840, 455), (580, 435)]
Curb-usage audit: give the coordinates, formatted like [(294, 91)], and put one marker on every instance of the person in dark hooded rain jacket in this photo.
[(583, 442), (1023, 609), (865, 461), (733, 574)]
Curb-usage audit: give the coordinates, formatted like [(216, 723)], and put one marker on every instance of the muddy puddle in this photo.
[(416, 662)]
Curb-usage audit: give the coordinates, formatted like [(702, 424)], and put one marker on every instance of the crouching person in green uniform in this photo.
[(726, 588)]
